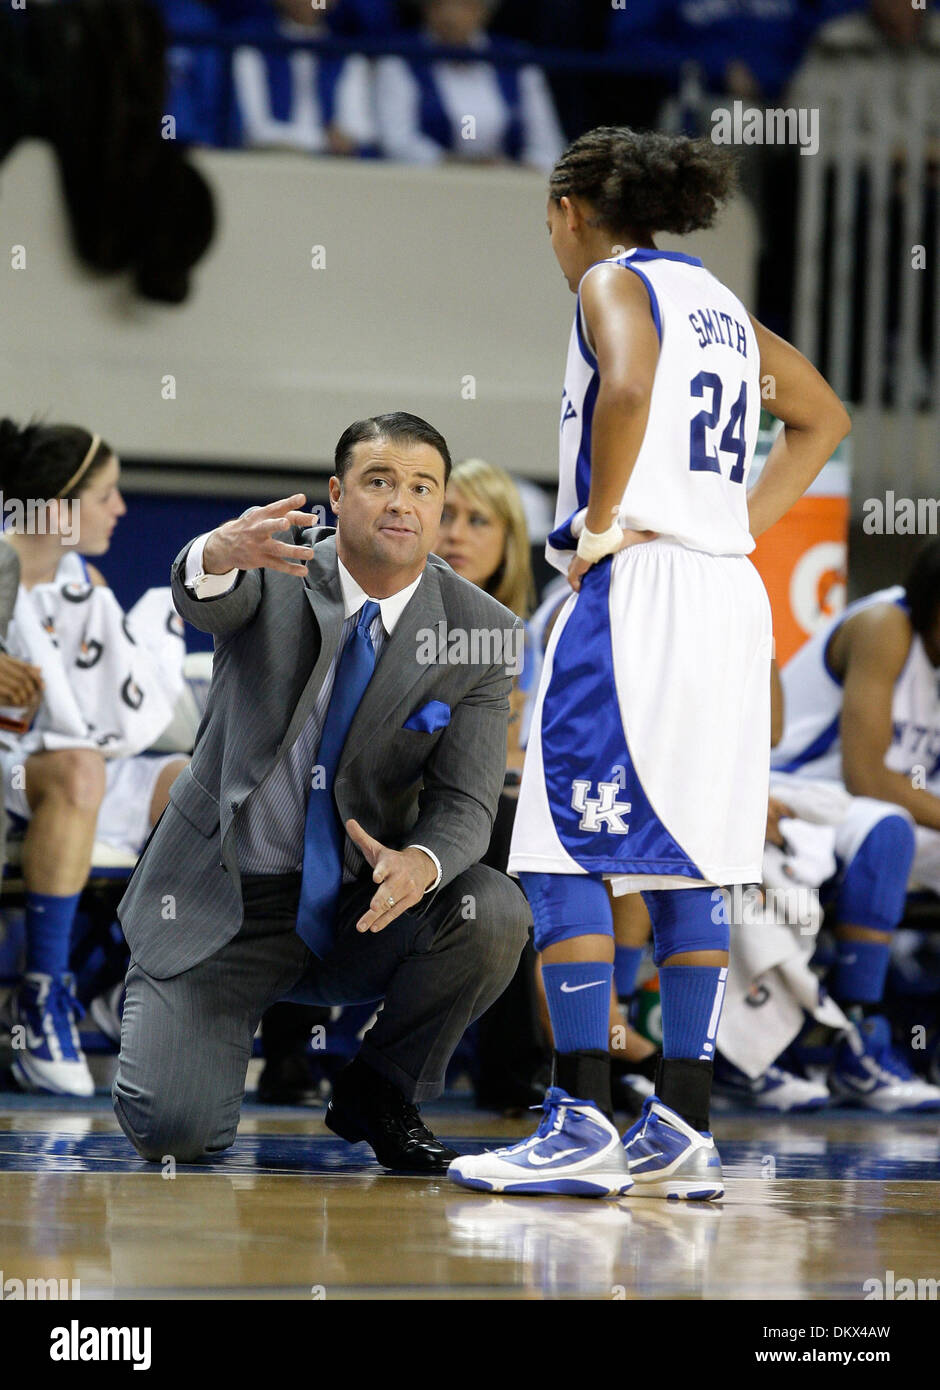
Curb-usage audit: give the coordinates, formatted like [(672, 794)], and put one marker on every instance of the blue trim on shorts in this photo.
[(583, 740)]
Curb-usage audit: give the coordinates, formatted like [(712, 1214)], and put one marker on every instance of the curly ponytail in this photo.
[(646, 180)]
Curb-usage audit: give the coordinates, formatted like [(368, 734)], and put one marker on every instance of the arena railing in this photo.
[(867, 307)]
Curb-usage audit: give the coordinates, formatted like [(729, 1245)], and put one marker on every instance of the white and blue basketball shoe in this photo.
[(48, 1056), (575, 1152), (869, 1071), (775, 1089), (666, 1157)]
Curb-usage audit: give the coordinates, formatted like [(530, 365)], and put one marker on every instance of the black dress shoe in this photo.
[(366, 1106), (288, 1081)]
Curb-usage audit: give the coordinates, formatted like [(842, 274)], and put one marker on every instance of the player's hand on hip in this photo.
[(579, 567), (402, 875), (576, 572), (247, 542)]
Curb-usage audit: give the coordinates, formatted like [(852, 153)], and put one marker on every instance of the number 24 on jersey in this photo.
[(703, 457)]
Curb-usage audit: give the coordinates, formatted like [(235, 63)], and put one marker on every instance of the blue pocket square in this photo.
[(434, 715)]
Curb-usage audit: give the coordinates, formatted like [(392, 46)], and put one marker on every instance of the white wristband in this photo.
[(594, 545)]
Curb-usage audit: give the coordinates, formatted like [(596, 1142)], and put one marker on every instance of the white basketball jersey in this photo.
[(811, 746), (690, 477)]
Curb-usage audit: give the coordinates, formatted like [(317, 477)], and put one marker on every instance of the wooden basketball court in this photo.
[(816, 1206)]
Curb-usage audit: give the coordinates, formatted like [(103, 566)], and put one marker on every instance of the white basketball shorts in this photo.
[(124, 814), (649, 752)]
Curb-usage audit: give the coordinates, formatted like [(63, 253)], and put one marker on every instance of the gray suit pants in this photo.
[(186, 1041)]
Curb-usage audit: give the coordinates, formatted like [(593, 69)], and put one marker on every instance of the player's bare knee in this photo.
[(73, 776)]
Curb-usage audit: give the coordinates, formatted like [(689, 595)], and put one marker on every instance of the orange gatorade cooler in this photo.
[(803, 559)]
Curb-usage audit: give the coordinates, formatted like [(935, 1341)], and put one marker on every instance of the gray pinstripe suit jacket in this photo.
[(274, 640)]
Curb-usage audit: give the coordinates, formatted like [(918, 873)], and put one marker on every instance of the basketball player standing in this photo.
[(648, 757)]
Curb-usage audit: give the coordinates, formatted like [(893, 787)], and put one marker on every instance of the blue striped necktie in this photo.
[(324, 836)]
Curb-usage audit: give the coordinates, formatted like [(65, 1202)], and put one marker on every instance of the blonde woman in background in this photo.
[(484, 537)]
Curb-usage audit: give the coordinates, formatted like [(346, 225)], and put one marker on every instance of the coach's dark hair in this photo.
[(397, 427), (38, 460), (645, 180), (922, 588)]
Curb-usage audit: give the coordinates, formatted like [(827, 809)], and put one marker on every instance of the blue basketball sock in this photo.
[(49, 931), (860, 970), (626, 964), (579, 1004), (691, 998)]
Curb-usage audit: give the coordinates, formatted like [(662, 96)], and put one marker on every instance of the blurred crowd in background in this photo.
[(238, 87), (122, 88)]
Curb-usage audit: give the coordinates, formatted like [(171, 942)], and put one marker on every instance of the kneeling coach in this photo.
[(323, 844)]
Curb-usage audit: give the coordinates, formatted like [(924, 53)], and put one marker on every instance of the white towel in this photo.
[(111, 680), (770, 986)]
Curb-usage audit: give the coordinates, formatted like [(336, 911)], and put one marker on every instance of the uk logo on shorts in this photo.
[(603, 812)]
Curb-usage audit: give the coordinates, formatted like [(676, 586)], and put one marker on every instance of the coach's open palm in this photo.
[(403, 877), (247, 543)]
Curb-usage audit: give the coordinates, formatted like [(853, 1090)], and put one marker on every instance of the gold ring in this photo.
[(390, 901)]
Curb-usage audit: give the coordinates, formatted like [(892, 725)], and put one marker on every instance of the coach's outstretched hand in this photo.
[(403, 876), (246, 543)]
